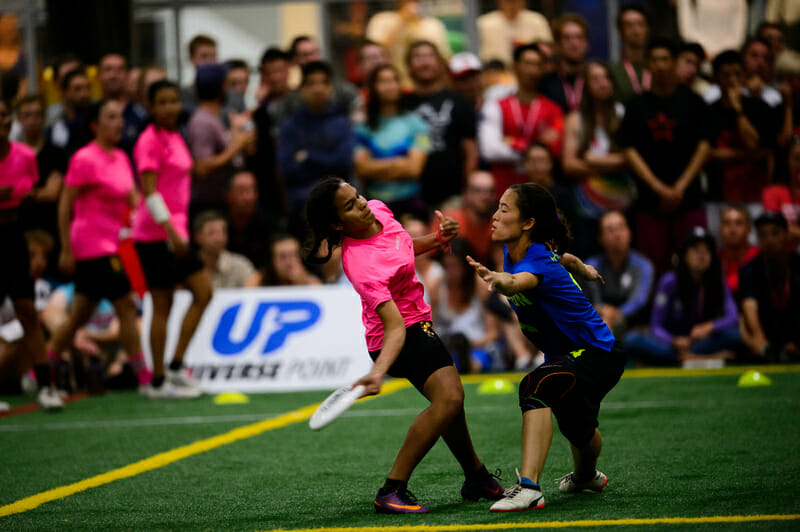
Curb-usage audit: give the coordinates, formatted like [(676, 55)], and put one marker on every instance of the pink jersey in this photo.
[(382, 268), (165, 153), (18, 171), (104, 181)]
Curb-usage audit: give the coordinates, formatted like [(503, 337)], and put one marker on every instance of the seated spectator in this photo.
[(510, 125), (690, 58), (592, 158), (213, 150), (743, 134), (392, 146), (249, 228), (769, 286), (736, 250), (786, 198), (509, 26), (628, 276), (227, 269), (238, 77), (630, 76), (315, 142), (475, 214), (285, 266), (467, 328), (694, 314)]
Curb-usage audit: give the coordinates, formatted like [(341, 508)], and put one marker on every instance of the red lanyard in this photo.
[(573, 93), (530, 121), (637, 87)]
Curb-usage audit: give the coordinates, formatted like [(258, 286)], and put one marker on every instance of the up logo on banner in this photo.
[(280, 318)]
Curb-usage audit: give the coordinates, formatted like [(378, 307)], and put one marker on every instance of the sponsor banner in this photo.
[(271, 339)]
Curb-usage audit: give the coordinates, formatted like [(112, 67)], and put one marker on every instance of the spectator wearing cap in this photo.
[(785, 199), (509, 26), (736, 250), (694, 314), (769, 286), (690, 58), (214, 150), (465, 69), (630, 75)]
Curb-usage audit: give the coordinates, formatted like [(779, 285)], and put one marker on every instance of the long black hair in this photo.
[(711, 282), (374, 101), (534, 201), (321, 216)]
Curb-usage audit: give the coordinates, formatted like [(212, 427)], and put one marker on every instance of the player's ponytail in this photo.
[(550, 227), (321, 217)]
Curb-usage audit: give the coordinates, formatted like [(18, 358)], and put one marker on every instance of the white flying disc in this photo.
[(335, 405)]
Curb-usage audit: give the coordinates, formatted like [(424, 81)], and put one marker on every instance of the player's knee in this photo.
[(544, 387), (449, 404), (202, 296)]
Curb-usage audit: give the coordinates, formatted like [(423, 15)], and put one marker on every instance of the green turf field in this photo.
[(677, 447)]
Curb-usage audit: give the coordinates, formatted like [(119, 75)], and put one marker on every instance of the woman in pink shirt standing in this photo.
[(161, 233), (98, 190), (18, 174), (378, 259)]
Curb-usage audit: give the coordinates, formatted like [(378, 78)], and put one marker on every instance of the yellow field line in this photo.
[(179, 453), (561, 524)]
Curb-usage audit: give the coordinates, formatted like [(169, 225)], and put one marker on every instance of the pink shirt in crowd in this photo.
[(105, 180), (382, 268), (165, 153), (19, 171)]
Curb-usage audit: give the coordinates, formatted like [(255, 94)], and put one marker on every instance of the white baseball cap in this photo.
[(464, 62)]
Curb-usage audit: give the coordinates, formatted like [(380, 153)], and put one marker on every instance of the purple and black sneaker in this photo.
[(398, 502), (483, 485)]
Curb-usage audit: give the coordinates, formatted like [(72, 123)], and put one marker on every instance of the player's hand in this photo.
[(681, 343), (371, 382), (448, 227), (491, 278), (591, 274), (701, 330)]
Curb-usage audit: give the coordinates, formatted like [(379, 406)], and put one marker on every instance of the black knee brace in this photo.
[(545, 386)]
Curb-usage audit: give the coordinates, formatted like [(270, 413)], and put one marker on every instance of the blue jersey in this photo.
[(555, 315)]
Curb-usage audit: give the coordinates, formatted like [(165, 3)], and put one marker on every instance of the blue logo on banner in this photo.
[(286, 317)]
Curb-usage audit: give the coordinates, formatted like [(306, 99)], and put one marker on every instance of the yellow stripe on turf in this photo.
[(562, 524), (168, 457)]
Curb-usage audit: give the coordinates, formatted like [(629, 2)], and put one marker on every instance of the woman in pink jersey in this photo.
[(18, 175), (161, 233), (98, 190), (378, 258)]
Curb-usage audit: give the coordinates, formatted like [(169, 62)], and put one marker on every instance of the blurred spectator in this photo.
[(149, 75), (392, 146), (134, 84), (742, 134), (249, 228), (630, 75), (67, 130), (62, 65), (716, 24), (274, 83), (773, 34), (565, 86), (398, 30), (592, 158), (303, 50), (213, 149), (113, 77), (690, 59), (757, 63), (694, 314), (285, 265), (315, 142), (498, 82), (238, 77), (475, 215), (665, 133), (787, 72), (509, 26), (627, 274), (203, 51), (513, 123), (785, 199), (769, 286), (465, 69), (227, 269), (454, 152), (428, 269), (370, 56), (736, 250), (12, 57)]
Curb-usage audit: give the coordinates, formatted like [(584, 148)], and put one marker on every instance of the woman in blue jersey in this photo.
[(582, 359)]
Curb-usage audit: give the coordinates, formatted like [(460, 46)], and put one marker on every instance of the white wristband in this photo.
[(158, 209)]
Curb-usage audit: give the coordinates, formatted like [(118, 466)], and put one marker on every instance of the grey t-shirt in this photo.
[(206, 137)]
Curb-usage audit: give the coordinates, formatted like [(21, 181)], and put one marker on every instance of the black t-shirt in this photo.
[(451, 119), (778, 301), (666, 132), (35, 215), (552, 86), (272, 195)]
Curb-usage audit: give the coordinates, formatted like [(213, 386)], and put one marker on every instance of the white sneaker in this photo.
[(4, 406), (169, 391), (181, 378), (519, 498), (49, 400), (567, 483)]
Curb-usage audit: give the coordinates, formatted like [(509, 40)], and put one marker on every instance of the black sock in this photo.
[(393, 485), (175, 365), (43, 378), (478, 474), (157, 382)]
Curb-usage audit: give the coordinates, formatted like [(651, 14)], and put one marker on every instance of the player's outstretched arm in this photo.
[(577, 267), (446, 230), (505, 283)]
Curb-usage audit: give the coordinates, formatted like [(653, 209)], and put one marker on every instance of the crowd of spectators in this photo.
[(663, 163)]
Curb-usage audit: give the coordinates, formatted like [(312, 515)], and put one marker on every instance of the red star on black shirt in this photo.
[(661, 127)]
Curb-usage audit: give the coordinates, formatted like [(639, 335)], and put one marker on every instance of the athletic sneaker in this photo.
[(169, 390), (181, 378), (4, 406), (519, 498), (567, 483), (485, 486), (49, 400), (397, 502)]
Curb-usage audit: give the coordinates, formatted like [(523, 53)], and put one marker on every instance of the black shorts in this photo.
[(423, 353), (15, 265), (573, 388), (101, 278), (162, 269)]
